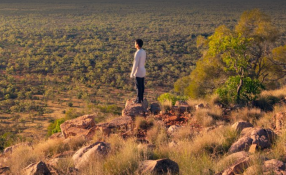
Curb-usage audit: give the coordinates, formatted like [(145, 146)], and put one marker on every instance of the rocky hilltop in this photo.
[(155, 139)]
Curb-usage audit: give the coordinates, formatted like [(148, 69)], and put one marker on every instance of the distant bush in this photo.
[(70, 104), (170, 97)]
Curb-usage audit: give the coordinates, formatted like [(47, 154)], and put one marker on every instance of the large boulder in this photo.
[(242, 164), (81, 126), (279, 119), (135, 109), (239, 126), (274, 165), (161, 166), (123, 124), (269, 167), (233, 158), (240, 145), (83, 155), (263, 138), (39, 168), (238, 167)]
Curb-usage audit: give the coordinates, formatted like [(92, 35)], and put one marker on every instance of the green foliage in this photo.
[(249, 92), (173, 98), (54, 127), (181, 84), (241, 57)]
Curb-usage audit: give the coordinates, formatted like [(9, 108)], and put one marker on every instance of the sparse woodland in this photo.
[(63, 60)]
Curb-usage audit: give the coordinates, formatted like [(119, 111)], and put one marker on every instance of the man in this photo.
[(138, 69)]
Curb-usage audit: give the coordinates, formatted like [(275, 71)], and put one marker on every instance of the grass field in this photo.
[(53, 53)]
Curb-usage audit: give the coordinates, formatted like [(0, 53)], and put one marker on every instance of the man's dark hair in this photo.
[(139, 42)]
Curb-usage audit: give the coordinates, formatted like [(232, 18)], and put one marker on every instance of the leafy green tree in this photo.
[(238, 60)]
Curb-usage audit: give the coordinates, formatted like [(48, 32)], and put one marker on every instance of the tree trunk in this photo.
[(238, 90)]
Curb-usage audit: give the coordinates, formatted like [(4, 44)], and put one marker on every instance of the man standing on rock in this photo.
[(138, 70)]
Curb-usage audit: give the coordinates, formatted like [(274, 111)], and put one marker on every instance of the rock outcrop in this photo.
[(83, 155), (81, 126), (39, 168), (263, 138), (161, 166), (135, 109)]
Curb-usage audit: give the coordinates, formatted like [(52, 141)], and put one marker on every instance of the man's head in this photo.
[(138, 43)]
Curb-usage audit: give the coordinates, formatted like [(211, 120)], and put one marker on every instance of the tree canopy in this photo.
[(238, 62)]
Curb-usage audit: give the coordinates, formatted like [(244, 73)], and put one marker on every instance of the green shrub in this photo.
[(55, 126), (168, 96), (249, 90)]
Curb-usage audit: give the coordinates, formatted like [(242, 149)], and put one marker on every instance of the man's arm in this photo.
[(135, 65)]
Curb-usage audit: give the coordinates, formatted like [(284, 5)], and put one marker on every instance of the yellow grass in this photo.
[(281, 93)]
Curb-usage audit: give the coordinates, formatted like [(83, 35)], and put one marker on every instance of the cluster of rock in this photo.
[(240, 153)]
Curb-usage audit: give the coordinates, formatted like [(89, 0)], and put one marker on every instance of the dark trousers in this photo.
[(140, 88)]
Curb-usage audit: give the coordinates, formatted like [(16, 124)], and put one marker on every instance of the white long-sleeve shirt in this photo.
[(138, 69)]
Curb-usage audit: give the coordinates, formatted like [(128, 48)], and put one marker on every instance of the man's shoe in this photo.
[(136, 102)]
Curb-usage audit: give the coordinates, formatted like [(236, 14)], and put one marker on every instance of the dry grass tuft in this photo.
[(203, 117), (200, 154), (193, 102), (183, 133), (22, 157), (267, 120), (123, 159), (64, 164), (166, 105), (246, 114), (280, 93), (158, 134)]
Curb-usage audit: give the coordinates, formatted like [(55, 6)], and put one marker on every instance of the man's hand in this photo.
[(132, 76)]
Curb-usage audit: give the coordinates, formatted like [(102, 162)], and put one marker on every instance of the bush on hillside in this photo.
[(55, 126), (170, 97)]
